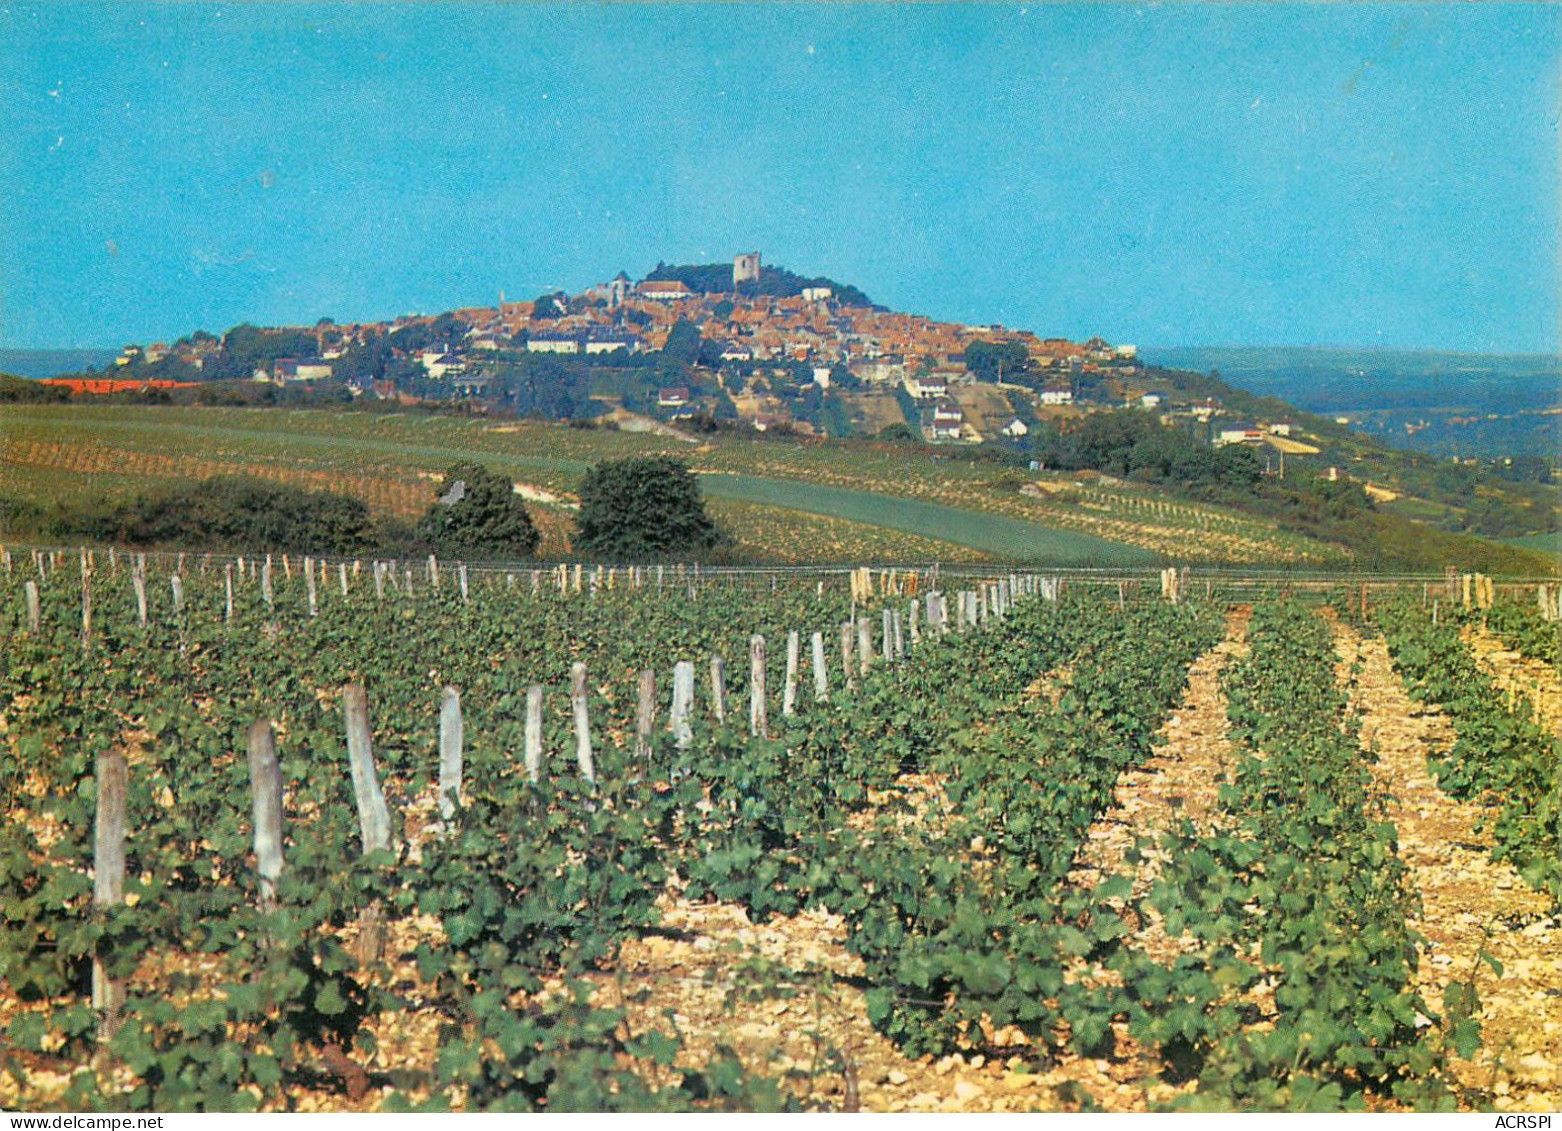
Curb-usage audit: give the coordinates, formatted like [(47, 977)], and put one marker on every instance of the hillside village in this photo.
[(755, 346)]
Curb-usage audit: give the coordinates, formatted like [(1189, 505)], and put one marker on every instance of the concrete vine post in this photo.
[(683, 703), (789, 690), (533, 746), (450, 753)]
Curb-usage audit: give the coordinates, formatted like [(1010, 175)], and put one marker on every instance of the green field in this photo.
[(1541, 543), (1007, 538)]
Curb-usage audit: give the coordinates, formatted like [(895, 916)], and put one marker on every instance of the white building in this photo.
[(927, 386), (947, 419), (553, 343)]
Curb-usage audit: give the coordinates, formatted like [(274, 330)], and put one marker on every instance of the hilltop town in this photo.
[(748, 345)]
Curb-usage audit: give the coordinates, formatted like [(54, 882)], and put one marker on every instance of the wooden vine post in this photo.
[(718, 688), (86, 601), (789, 691), (34, 612), (138, 582), (821, 676), (227, 587), (846, 655), (450, 735), (373, 816), (579, 708), (758, 720), (108, 882), (265, 779), (645, 716)]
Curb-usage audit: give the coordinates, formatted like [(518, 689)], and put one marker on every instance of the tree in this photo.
[(546, 306), (479, 515), (643, 507), (993, 361)]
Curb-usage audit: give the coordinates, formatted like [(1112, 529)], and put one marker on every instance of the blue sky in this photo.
[(1352, 174)]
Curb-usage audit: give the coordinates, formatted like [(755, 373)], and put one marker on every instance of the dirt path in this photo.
[(781, 994), (1182, 779), (1193, 755), (1517, 674), (1469, 902)]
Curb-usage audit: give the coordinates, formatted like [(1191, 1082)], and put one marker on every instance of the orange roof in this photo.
[(100, 386)]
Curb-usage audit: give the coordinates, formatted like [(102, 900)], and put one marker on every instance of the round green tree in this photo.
[(642, 508), (479, 515)]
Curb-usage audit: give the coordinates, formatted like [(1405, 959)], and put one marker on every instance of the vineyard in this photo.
[(284, 834), (783, 502)]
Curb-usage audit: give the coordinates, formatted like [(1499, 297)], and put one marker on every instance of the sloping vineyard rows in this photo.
[(1294, 987), (1526, 631), (936, 804), (526, 881), (1501, 755)]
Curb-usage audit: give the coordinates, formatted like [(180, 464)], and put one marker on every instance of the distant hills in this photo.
[(1442, 403), (53, 363)]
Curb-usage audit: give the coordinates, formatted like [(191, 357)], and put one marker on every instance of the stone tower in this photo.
[(745, 269)]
